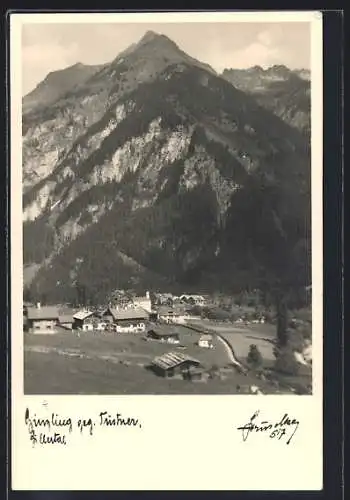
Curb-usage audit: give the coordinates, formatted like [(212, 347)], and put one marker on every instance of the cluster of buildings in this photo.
[(48, 319), (168, 299), (125, 315)]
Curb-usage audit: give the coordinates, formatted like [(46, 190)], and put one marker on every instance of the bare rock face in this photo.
[(134, 171)]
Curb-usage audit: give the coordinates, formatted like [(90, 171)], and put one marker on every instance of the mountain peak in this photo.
[(149, 36), (256, 68), (153, 37), (280, 69)]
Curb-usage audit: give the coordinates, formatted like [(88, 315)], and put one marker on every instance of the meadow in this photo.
[(109, 363)]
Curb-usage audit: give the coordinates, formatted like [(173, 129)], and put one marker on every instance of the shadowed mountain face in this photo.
[(279, 89), (155, 169)]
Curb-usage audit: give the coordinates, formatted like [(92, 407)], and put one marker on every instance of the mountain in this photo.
[(279, 89), (303, 73), (56, 84), (40, 148), (80, 105), (154, 183)]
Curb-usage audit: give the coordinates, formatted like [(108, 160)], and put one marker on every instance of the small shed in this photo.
[(83, 320), (206, 341), (173, 363), (42, 319)]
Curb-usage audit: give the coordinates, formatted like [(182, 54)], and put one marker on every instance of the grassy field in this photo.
[(55, 374), (127, 346), (109, 363), (240, 337)]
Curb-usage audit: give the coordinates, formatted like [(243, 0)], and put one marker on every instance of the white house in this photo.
[(170, 315), (129, 320), (206, 341), (42, 319)]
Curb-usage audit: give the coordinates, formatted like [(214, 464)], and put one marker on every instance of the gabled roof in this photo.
[(172, 359), (130, 313), (43, 312), (82, 315), (192, 296)]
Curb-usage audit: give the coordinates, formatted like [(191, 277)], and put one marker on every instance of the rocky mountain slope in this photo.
[(142, 190), (279, 89), (49, 131), (57, 84)]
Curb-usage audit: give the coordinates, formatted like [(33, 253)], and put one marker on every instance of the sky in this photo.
[(50, 47)]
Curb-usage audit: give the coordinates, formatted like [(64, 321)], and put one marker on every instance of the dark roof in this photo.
[(172, 359), (44, 312), (159, 332)]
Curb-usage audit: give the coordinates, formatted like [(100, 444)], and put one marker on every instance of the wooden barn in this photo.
[(173, 364)]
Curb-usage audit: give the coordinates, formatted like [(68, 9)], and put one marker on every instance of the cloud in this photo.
[(265, 38), (256, 53)]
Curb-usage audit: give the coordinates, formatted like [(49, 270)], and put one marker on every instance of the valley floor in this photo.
[(106, 363)]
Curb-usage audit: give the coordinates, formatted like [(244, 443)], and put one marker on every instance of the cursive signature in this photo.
[(286, 426)]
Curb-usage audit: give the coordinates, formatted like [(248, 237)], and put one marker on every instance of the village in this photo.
[(142, 340)]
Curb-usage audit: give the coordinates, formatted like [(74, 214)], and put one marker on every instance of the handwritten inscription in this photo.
[(285, 428), (54, 429)]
